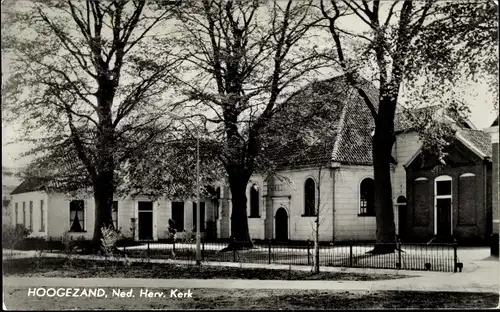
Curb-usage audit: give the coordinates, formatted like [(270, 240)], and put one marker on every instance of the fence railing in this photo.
[(433, 257)]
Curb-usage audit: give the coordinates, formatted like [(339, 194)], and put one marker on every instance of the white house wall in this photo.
[(291, 196), (57, 214), (126, 211), (224, 220), (405, 147), (348, 225), (58, 221), (35, 197), (257, 226)]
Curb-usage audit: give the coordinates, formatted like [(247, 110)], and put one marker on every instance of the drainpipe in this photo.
[(332, 172), (333, 169), (489, 223)]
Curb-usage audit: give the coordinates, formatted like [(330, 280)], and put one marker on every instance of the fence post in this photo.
[(148, 250), (203, 250), (234, 248), (400, 265), (308, 253), (173, 247), (350, 253), (269, 248), (455, 258)]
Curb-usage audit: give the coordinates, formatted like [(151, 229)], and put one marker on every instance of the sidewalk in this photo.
[(406, 284), (480, 275)]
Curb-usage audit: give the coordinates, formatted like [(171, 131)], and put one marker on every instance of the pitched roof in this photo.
[(480, 139), (403, 124), (29, 185), (401, 121), (296, 154), (350, 139), (349, 124), (354, 145)]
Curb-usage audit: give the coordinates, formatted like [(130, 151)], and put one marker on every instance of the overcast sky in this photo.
[(476, 96)]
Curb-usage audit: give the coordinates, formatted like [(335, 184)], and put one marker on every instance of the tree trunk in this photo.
[(382, 148), (103, 198), (105, 168), (316, 248), (240, 234), (316, 236)]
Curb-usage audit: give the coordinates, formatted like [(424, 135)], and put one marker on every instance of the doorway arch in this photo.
[(281, 224), (402, 215)]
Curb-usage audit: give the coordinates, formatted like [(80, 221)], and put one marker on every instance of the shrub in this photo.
[(67, 242), (12, 236), (109, 238), (189, 235), (133, 227), (171, 232)]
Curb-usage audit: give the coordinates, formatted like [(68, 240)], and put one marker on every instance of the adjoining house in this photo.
[(450, 200), (431, 200), (10, 179), (50, 215), (493, 130)]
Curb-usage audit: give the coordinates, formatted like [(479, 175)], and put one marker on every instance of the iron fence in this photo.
[(414, 256), (432, 257)]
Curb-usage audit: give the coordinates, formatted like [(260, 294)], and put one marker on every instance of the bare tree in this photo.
[(85, 79), (405, 40), (245, 57), (322, 210)]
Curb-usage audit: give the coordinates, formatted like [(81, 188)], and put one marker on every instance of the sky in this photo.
[(476, 96)]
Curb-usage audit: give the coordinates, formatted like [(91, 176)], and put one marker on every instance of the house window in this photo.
[(76, 216), (443, 188), (178, 215), (42, 216), (114, 214), (402, 215), (367, 197), (309, 197), (254, 201), (31, 216), (17, 214), (218, 203), (443, 218), (24, 214), (202, 216)]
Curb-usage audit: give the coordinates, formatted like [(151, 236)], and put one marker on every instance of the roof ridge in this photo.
[(467, 129), (340, 127)]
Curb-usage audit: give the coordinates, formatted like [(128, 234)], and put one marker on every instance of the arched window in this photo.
[(402, 216), (367, 197), (217, 203), (254, 201), (401, 201), (309, 197)]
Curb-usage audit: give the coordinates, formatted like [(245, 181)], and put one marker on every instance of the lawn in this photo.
[(246, 299), (61, 267)]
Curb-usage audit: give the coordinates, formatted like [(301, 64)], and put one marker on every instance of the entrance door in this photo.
[(442, 220), (145, 220), (401, 203), (281, 222), (443, 206)]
